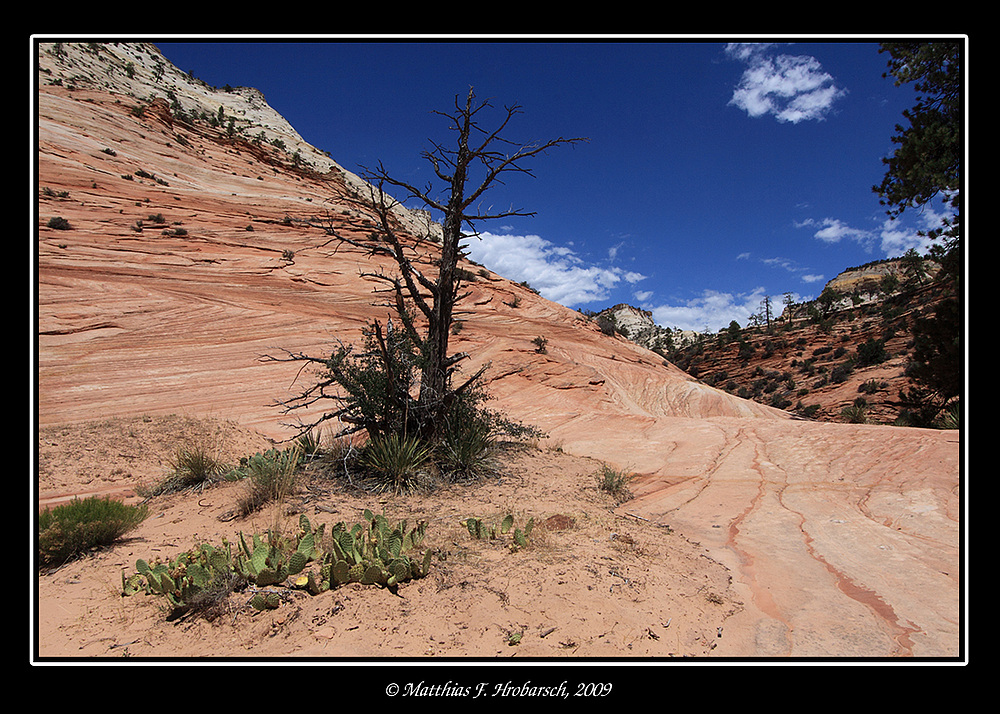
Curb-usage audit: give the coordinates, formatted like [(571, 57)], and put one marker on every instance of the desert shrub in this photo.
[(75, 527), (809, 411), (377, 383), (841, 372), (951, 418), (871, 352), (190, 468), (614, 482), (607, 324), (872, 385), (780, 401), (310, 443), (59, 223), (378, 392), (269, 477), (854, 414)]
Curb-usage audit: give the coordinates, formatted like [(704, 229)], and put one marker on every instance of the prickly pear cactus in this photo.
[(179, 580), (481, 531), (377, 553), (265, 600)]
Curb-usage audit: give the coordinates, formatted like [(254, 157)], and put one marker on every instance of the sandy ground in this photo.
[(592, 584)]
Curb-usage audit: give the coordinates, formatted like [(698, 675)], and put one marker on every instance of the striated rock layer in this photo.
[(844, 540)]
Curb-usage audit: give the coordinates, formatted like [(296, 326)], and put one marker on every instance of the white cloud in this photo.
[(789, 87), (556, 272), (712, 309), (892, 237), (833, 230), (896, 240)]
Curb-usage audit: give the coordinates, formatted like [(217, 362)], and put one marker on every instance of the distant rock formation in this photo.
[(638, 326), (867, 283)]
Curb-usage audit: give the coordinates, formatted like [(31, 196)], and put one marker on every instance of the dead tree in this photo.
[(424, 302)]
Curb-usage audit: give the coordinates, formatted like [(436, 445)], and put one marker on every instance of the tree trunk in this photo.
[(435, 378)]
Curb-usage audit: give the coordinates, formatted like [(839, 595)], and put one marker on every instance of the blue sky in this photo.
[(716, 171)]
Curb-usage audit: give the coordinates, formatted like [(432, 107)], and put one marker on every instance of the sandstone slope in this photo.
[(840, 540)]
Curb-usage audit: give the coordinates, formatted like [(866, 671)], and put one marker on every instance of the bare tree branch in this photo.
[(434, 297)]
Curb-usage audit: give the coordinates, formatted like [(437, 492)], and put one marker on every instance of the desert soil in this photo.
[(592, 584)]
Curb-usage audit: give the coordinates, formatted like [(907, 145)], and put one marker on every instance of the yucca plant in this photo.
[(951, 418), (396, 458), (310, 443), (468, 449), (854, 414)]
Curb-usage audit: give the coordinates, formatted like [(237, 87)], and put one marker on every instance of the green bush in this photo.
[(872, 352), (614, 482), (75, 527), (269, 477)]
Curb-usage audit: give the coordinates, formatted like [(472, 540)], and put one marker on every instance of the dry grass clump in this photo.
[(615, 482)]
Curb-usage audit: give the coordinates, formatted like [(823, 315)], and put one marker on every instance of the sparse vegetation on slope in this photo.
[(817, 359)]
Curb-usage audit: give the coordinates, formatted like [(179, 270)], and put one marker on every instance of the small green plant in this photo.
[(872, 386), (59, 223), (854, 414), (270, 476), (191, 468), (482, 531), (70, 529), (541, 345), (310, 443), (951, 418), (614, 482), (468, 449)]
